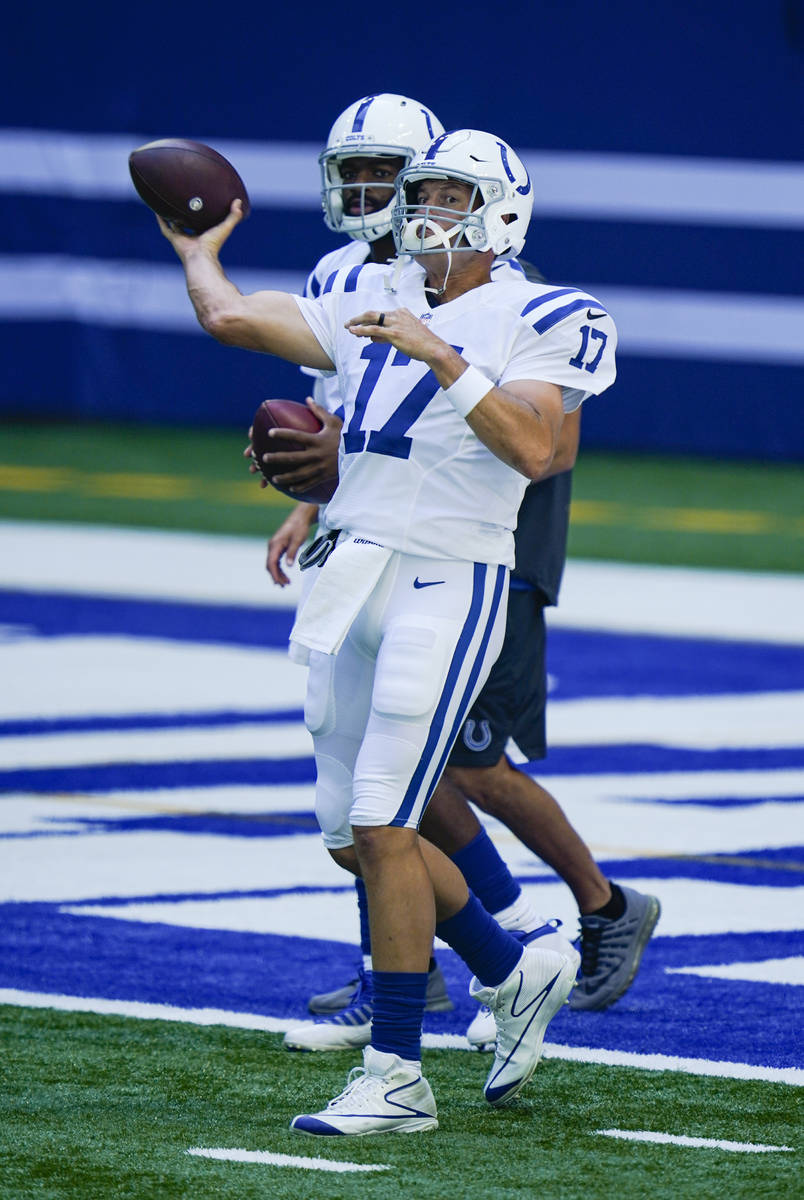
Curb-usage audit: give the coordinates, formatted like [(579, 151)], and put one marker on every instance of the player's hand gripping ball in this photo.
[(286, 414), (187, 183)]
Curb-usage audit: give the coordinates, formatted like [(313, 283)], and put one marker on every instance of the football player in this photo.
[(454, 396), (368, 145)]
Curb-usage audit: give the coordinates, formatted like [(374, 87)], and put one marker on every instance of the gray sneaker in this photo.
[(437, 997), (611, 951)]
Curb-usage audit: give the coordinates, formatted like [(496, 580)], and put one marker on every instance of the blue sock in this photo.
[(396, 1026), (486, 873), (362, 908), (487, 949)]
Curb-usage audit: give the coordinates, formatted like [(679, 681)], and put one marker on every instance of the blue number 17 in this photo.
[(391, 439)]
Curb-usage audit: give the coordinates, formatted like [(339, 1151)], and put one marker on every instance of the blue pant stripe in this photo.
[(436, 729), (465, 704)]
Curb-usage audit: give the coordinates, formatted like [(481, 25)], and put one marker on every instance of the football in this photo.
[(287, 414), (186, 182)]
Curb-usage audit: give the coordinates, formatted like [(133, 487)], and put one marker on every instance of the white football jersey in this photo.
[(413, 475), (325, 387)]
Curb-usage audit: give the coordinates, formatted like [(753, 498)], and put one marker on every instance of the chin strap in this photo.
[(440, 291), (421, 233), (391, 281)]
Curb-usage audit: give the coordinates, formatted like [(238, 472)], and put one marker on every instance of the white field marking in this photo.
[(792, 1076), (31, 813), (744, 721), (102, 864), (118, 677), (690, 907), (672, 1139), (629, 598), (70, 869), (726, 721), (680, 785), (769, 970), (632, 829), (209, 568), (266, 1158), (333, 914), (141, 563), (247, 741)]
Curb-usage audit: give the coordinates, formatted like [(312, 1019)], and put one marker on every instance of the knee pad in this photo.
[(319, 700), (333, 801), (411, 667)]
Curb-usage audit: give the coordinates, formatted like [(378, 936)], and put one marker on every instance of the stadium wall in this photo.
[(665, 145)]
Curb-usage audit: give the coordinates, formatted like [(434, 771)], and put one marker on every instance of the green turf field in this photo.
[(108, 1107), (632, 508)]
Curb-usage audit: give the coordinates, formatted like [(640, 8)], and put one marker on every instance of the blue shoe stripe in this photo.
[(313, 1125)]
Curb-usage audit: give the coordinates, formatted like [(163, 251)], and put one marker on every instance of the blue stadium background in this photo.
[(676, 130)]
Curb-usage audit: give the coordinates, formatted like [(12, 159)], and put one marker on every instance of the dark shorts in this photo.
[(512, 702)]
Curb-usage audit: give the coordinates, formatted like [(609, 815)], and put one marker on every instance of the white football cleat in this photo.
[(549, 937), (482, 1031), (522, 1006), (347, 1030), (385, 1095)]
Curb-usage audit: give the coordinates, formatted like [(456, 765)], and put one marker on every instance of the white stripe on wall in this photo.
[(285, 174), (656, 323)]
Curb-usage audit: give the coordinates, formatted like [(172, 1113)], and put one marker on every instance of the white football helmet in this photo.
[(385, 125), (498, 177)]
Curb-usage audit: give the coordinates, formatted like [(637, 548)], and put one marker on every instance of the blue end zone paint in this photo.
[(249, 825), (725, 801), (563, 760), (52, 614), (206, 720), (753, 868), (46, 951), (145, 776), (584, 663)]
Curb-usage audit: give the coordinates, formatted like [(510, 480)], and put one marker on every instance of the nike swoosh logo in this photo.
[(417, 583), (590, 316), (538, 999)]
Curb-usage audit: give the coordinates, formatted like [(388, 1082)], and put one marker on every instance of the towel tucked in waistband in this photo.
[(344, 582)]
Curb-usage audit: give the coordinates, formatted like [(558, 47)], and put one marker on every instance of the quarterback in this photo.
[(454, 392)]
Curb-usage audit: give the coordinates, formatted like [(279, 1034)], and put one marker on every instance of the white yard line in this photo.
[(644, 1135), (284, 1160), (215, 1016)]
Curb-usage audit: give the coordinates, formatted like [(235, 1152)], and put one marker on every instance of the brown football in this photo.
[(287, 414), (186, 182)]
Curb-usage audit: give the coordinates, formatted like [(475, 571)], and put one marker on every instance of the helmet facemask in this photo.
[(381, 126), (418, 228), (367, 225), (498, 179)]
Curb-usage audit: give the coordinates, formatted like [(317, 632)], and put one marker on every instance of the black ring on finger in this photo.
[(381, 319)]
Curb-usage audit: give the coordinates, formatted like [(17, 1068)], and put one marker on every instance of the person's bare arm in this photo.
[(567, 448), (288, 539), (270, 322)]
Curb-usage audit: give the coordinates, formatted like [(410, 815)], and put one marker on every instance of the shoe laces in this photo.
[(591, 932), (360, 1091), (602, 942)]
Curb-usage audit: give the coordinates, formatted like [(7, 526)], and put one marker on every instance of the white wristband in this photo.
[(468, 390)]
